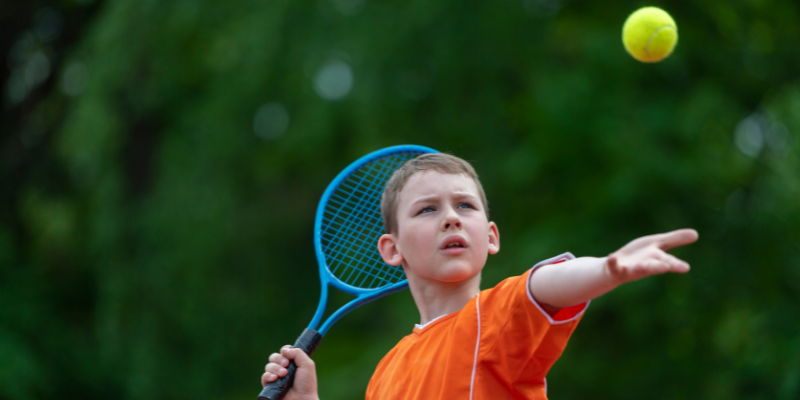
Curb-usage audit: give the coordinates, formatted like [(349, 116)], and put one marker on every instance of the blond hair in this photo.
[(439, 162)]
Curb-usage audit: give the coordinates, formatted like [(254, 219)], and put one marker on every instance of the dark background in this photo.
[(160, 164)]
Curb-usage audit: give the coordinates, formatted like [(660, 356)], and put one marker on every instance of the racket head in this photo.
[(348, 223)]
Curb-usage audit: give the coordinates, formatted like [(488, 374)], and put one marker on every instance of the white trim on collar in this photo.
[(421, 327)]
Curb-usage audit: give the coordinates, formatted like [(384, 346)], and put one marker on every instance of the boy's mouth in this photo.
[(454, 243)]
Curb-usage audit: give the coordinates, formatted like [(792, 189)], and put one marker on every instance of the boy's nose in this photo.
[(451, 221), (456, 224)]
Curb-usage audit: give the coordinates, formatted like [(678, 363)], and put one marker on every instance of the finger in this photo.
[(654, 266), (278, 359), (680, 237), (299, 356), (675, 263), (275, 369), (267, 378)]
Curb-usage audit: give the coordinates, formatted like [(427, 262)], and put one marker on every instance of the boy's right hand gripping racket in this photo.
[(346, 231)]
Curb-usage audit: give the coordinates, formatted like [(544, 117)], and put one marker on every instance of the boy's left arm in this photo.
[(582, 279)]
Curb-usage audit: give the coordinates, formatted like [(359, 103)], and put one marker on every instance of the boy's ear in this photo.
[(387, 246), (494, 238)]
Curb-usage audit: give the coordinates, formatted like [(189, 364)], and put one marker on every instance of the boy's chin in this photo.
[(457, 272)]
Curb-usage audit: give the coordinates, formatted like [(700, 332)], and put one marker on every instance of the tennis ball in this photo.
[(649, 34)]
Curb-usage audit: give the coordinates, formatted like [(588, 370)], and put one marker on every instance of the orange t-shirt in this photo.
[(499, 346)]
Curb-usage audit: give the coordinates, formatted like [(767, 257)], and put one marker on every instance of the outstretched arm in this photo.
[(582, 279)]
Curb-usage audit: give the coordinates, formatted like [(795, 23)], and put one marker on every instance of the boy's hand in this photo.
[(646, 256), (305, 378)]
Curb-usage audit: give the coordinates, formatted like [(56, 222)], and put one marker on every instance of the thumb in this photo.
[(612, 262), (298, 355), (305, 384), (612, 270)]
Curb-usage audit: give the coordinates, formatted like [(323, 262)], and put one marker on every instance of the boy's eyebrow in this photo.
[(465, 194), (425, 198), (436, 196)]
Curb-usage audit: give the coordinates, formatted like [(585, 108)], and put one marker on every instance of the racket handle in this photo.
[(307, 342)]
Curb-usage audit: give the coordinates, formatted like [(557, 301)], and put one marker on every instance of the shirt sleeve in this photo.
[(518, 338), (564, 315)]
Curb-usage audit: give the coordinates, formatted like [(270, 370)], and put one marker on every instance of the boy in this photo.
[(471, 344)]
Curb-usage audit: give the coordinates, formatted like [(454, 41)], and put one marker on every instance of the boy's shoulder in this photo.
[(515, 290)]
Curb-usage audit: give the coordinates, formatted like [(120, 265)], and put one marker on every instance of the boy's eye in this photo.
[(427, 209), (465, 205)]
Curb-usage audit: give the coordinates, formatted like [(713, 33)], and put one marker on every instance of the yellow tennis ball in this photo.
[(649, 34)]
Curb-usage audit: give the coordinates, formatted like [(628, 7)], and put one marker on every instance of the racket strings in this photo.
[(360, 218), (352, 224), (353, 263), (363, 242)]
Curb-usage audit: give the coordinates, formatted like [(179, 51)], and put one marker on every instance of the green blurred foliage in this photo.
[(158, 242)]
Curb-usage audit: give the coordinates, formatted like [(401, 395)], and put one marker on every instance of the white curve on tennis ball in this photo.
[(652, 36)]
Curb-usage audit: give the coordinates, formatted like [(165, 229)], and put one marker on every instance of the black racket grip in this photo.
[(307, 342)]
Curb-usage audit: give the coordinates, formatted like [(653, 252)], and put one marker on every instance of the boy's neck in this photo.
[(435, 299)]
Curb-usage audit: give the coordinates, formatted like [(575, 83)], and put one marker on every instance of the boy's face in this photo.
[(443, 234)]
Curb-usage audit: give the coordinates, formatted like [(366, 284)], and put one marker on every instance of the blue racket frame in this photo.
[(327, 278), (310, 337)]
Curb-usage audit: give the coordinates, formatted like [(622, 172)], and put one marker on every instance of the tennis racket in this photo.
[(346, 232)]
